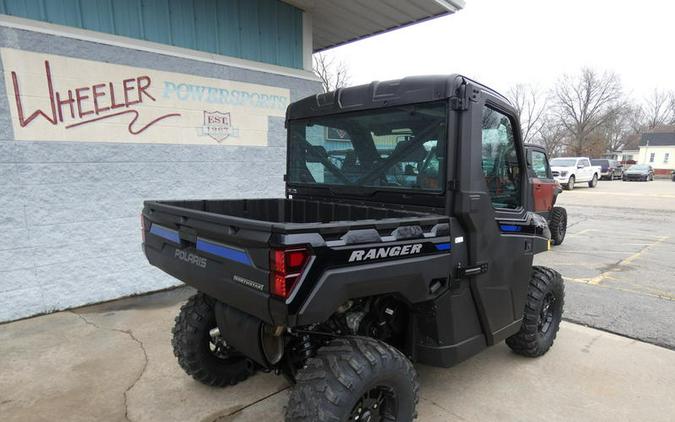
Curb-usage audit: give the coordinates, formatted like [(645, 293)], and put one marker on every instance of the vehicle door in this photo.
[(490, 202), (583, 170), (590, 169), (543, 185)]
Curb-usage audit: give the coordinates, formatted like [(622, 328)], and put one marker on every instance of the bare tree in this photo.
[(619, 128), (551, 136), (333, 74), (636, 118), (585, 102), (633, 119), (530, 107), (658, 109)]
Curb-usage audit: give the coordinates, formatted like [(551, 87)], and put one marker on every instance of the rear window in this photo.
[(394, 148)]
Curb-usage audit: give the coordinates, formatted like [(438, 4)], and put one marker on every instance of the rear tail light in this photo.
[(286, 266)]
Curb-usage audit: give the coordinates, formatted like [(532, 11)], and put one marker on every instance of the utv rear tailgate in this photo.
[(222, 247), (223, 256)]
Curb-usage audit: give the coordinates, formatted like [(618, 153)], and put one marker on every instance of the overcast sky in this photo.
[(504, 42)]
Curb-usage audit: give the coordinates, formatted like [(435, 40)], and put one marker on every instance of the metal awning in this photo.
[(337, 22)]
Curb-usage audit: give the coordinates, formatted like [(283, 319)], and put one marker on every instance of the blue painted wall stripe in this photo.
[(268, 31), (224, 251)]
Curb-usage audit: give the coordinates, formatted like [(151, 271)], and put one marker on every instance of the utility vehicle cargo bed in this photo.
[(294, 215)]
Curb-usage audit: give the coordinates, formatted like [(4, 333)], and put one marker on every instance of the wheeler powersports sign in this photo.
[(56, 98)]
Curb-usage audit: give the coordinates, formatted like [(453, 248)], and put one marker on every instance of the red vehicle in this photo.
[(545, 190)]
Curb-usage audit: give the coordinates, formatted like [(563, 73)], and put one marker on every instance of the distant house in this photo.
[(657, 148), (626, 156)]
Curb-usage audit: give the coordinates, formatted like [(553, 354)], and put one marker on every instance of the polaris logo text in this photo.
[(190, 258), (378, 253)]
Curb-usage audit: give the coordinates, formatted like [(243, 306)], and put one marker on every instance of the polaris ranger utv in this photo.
[(406, 235)]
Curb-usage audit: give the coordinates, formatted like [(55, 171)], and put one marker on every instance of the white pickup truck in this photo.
[(571, 170)]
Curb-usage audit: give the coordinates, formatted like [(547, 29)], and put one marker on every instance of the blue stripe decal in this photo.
[(444, 246), (510, 228), (224, 252), (165, 233)]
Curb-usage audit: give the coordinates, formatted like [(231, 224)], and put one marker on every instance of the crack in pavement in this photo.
[(443, 408), (229, 416), (580, 219), (587, 347), (140, 344)]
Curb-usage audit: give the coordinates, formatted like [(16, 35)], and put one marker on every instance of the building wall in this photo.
[(268, 31), (662, 164), (69, 220)]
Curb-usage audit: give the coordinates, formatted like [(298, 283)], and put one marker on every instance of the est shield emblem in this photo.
[(217, 125)]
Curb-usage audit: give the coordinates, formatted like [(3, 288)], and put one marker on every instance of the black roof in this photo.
[(408, 90), (658, 139)]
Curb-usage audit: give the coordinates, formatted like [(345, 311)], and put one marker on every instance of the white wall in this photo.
[(659, 156), (69, 211)]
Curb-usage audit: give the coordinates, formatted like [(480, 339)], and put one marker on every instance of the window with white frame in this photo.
[(651, 157), (666, 157)]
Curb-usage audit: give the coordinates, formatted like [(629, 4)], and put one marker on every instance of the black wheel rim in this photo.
[(377, 404), (546, 313)]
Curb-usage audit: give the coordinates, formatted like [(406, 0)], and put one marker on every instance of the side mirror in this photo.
[(580, 166)]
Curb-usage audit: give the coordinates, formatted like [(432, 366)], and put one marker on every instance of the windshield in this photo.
[(600, 162), (563, 162), (640, 167), (398, 147)]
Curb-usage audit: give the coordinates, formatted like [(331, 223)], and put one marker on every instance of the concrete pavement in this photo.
[(113, 362)]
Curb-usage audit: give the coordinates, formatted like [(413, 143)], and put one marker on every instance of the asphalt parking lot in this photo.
[(618, 258)]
